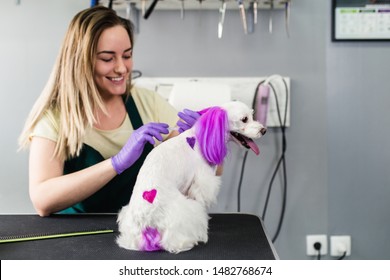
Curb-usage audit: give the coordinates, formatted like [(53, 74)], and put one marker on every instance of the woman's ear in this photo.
[(212, 134)]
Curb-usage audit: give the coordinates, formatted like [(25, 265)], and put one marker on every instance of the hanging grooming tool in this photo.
[(270, 16), (182, 11), (243, 16), (150, 9), (251, 19), (255, 7), (287, 17), (132, 14), (222, 11), (128, 11), (110, 4), (143, 7)]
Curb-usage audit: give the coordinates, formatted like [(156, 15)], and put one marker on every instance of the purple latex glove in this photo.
[(188, 119), (134, 146)]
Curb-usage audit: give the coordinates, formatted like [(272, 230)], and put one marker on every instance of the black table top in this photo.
[(231, 237)]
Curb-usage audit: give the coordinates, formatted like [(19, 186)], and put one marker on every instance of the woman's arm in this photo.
[(50, 190)]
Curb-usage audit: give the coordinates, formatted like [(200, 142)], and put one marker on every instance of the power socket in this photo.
[(340, 244), (312, 239)]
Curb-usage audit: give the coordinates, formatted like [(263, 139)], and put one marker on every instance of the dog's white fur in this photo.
[(186, 186)]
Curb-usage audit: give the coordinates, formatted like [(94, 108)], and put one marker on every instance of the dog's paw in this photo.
[(179, 249), (204, 238)]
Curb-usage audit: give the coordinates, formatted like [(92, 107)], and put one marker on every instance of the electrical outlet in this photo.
[(312, 239), (339, 244)]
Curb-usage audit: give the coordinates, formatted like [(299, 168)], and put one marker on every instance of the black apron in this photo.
[(116, 193)]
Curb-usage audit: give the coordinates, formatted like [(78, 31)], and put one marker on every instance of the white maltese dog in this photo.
[(177, 182)]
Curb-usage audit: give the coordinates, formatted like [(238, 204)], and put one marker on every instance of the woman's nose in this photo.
[(120, 67)]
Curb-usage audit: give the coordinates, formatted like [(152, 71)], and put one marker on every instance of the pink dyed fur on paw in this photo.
[(151, 239)]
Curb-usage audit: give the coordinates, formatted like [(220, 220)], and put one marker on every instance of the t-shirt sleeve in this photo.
[(47, 128)]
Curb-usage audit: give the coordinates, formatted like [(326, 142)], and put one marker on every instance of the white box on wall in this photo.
[(241, 88)]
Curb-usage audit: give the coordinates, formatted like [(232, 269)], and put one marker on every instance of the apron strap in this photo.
[(132, 110)]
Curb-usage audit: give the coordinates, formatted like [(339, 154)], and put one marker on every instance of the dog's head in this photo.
[(217, 125)]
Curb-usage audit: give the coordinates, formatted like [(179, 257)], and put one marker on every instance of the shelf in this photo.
[(194, 4)]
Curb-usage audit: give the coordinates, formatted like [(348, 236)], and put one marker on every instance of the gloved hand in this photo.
[(134, 146), (189, 117)]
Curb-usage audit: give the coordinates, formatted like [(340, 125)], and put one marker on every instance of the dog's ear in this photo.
[(212, 134)]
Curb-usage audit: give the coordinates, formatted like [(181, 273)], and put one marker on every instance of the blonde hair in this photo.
[(71, 90)]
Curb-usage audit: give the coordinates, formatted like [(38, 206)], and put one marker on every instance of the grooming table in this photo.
[(231, 236)]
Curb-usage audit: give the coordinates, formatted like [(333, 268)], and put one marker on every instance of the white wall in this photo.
[(30, 35)]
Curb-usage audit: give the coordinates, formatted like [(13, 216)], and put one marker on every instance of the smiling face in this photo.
[(114, 61)]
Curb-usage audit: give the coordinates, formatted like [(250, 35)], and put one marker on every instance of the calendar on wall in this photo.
[(360, 20)]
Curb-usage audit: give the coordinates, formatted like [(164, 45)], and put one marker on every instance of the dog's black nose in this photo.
[(263, 131)]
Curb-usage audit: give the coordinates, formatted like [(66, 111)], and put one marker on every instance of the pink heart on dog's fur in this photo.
[(150, 195)]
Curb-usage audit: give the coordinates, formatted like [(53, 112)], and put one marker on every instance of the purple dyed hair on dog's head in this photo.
[(212, 134)]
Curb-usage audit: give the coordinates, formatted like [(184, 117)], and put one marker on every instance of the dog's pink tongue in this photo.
[(253, 146)]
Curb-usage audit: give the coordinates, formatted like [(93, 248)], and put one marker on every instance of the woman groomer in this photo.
[(90, 131)]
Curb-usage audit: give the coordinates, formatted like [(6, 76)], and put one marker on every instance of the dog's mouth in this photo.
[(246, 142)]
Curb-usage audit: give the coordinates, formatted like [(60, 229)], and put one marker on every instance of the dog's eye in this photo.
[(244, 120)]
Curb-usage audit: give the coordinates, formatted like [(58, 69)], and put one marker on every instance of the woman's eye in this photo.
[(245, 120), (106, 59), (128, 55)]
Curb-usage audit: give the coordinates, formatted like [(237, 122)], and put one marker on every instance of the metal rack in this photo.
[(195, 4), (136, 8)]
